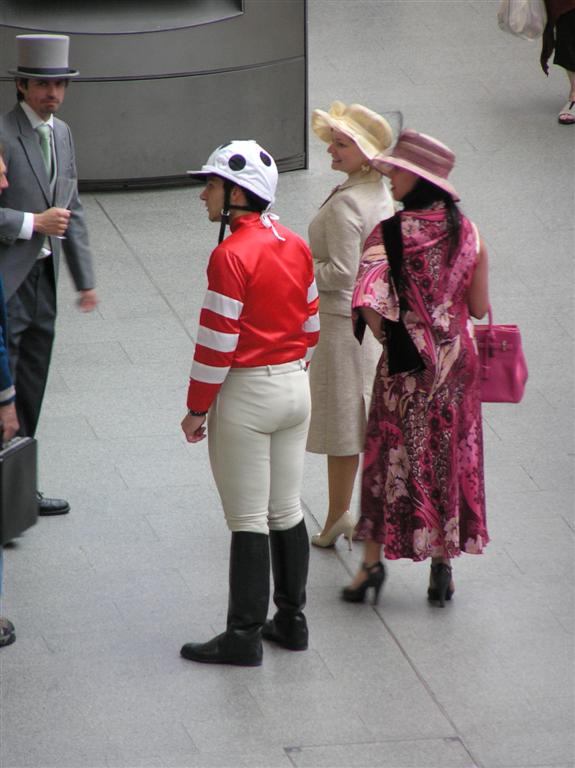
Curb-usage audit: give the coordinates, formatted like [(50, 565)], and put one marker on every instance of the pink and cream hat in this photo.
[(422, 155)]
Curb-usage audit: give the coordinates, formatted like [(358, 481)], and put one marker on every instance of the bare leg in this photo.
[(341, 474)]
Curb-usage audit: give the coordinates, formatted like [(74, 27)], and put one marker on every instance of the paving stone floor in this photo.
[(103, 598)]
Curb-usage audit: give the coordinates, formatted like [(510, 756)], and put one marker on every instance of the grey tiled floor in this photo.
[(104, 597)]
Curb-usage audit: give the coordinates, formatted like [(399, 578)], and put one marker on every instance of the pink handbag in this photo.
[(502, 362)]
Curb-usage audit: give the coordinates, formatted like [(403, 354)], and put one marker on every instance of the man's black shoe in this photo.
[(52, 506), (7, 632)]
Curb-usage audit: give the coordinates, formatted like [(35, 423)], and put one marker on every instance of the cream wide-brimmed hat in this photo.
[(43, 57), (423, 155), (371, 132)]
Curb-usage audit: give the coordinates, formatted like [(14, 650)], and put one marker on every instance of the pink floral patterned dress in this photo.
[(422, 488)]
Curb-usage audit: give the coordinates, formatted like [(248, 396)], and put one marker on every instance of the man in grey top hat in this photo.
[(40, 215)]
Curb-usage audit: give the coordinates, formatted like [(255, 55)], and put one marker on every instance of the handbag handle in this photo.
[(490, 335), (486, 350)]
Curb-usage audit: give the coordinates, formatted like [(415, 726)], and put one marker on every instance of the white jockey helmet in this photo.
[(244, 163)]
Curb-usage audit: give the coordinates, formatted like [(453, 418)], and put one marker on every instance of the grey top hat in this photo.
[(44, 57)]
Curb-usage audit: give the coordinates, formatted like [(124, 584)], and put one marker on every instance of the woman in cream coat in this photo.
[(342, 371)]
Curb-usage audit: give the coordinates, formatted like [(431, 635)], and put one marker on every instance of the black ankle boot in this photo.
[(441, 581), (290, 560), (241, 643)]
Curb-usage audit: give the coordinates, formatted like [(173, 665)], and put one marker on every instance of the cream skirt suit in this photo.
[(342, 370)]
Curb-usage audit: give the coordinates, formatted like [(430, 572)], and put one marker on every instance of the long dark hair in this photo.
[(423, 196)]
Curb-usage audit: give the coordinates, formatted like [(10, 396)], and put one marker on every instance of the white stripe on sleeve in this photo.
[(208, 374), (312, 293), (311, 324), (222, 342), (223, 305)]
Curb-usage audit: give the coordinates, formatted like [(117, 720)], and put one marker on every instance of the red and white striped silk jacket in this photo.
[(261, 306)]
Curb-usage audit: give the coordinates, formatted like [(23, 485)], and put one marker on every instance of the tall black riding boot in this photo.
[(290, 561), (241, 643)]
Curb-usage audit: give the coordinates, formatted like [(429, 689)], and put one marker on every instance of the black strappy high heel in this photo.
[(441, 580), (375, 579)]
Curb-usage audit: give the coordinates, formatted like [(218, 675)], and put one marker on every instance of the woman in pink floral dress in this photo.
[(422, 274)]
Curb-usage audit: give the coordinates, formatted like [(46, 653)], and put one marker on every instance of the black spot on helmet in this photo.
[(237, 162), (266, 159)]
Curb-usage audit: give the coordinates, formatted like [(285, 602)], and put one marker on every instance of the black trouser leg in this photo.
[(31, 321), (241, 643), (290, 561)]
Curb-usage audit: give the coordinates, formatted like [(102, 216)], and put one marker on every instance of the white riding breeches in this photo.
[(257, 431)]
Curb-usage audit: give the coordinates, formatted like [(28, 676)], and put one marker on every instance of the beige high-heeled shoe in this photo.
[(344, 525)]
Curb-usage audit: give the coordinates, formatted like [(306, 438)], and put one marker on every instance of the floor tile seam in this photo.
[(410, 662), (144, 269), (430, 692), (295, 749), (538, 487), (514, 561), (379, 740), (307, 511), (111, 736)]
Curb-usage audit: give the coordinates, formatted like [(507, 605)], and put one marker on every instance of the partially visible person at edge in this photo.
[(559, 35), (341, 377), (422, 274), (8, 417), (257, 331), (39, 154)]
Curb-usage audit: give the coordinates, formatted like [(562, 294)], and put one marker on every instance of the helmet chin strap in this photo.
[(225, 213)]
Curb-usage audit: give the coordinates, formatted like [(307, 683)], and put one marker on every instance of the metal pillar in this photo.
[(162, 83)]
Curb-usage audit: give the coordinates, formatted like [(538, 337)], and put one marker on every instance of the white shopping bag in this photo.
[(523, 18)]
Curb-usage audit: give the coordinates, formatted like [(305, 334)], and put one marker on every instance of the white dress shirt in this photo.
[(28, 224)]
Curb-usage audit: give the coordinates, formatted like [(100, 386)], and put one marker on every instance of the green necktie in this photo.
[(46, 147)]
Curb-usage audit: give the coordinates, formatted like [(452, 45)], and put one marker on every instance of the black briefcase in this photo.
[(18, 486)]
